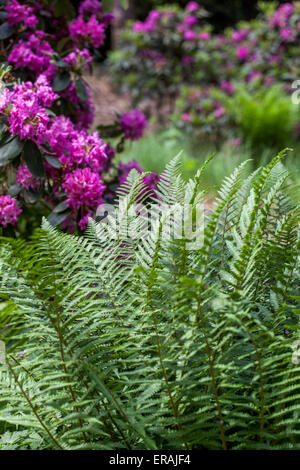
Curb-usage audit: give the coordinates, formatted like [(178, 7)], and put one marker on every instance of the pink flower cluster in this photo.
[(34, 53), (240, 35), (78, 59), (25, 178), (91, 30), (90, 6), (133, 124), (24, 107), (83, 187), (192, 6), (17, 13), (282, 15), (9, 210), (242, 53), (149, 25), (83, 149)]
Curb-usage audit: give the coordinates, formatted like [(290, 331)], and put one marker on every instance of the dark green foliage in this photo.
[(144, 344)]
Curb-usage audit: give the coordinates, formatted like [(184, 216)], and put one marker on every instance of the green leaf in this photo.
[(53, 161), (81, 90), (61, 44), (62, 207), (34, 159), (61, 81), (31, 196), (6, 31), (56, 219), (10, 151), (14, 190)]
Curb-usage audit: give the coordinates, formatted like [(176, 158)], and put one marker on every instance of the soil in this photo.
[(106, 99)]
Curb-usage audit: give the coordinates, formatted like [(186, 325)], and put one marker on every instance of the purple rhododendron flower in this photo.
[(41, 90), (187, 60), (78, 59), (88, 150), (25, 109), (227, 87), (17, 13), (189, 35), (242, 53), (204, 35), (5, 98), (186, 117), (287, 34), (9, 210), (219, 112), (91, 30), (149, 25), (26, 179), (83, 187), (34, 53), (60, 134), (192, 6), (27, 118), (90, 6), (281, 15), (190, 20), (133, 124), (239, 35)]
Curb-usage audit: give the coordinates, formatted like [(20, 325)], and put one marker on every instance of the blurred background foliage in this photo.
[(223, 14)]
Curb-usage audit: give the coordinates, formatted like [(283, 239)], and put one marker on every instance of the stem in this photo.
[(33, 409)]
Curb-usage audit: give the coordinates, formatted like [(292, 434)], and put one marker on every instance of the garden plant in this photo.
[(149, 302)]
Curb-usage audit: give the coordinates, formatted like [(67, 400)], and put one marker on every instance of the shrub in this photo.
[(266, 117), (142, 343), (263, 52), (48, 159), (158, 54)]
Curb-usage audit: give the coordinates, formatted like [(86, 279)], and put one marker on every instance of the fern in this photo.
[(114, 342)]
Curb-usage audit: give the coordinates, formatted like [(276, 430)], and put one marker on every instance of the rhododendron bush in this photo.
[(48, 159), (176, 54), (157, 55)]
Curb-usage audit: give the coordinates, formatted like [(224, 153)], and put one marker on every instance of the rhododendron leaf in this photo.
[(31, 197), (61, 44), (61, 81), (6, 31), (33, 159), (56, 219), (14, 190), (81, 90), (62, 207), (10, 151), (54, 162)]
